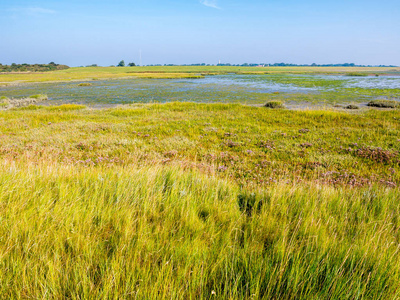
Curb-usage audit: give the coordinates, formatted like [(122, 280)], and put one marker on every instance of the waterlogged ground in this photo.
[(295, 90)]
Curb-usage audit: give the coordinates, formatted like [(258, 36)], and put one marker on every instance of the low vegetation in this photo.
[(250, 145), (384, 103), (357, 74), (8, 103), (186, 201)]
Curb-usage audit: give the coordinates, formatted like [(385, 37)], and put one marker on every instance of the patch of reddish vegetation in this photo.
[(378, 155)]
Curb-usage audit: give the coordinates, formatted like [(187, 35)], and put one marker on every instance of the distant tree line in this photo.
[(278, 65), (122, 64), (32, 68)]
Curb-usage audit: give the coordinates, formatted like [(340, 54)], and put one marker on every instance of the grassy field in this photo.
[(199, 201), (95, 73)]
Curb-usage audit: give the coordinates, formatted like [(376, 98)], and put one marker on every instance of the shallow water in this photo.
[(221, 88)]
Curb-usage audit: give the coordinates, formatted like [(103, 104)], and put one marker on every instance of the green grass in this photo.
[(250, 145), (199, 201), (83, 233)]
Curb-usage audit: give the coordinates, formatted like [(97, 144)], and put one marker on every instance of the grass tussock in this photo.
[(384, 103), (85, 84), (39, 97), (352, 106)]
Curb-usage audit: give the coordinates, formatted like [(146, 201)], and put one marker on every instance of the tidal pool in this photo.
[(220, 88)]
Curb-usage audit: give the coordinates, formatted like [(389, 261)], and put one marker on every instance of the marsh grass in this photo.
[(161, 233), (199, 201), (250, 145)]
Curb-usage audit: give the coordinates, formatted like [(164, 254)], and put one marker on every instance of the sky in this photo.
[(84, 32)]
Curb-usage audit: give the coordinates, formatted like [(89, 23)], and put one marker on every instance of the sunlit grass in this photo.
[(156, 233), (198, 201)]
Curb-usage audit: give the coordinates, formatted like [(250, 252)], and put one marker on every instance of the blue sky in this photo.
[(195, 31)]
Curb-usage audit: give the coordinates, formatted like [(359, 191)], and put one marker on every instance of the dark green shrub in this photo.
[(274, 104), (384, 103), (352, 106)]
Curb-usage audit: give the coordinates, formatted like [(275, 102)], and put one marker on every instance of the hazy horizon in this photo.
[(200, 31)]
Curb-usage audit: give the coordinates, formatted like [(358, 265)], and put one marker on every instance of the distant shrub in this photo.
[(384, 103), (352, 106), (356, 74), (85, 84), (274, 104), (66, 107)]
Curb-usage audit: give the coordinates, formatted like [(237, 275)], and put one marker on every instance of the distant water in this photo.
[(225, 88)]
